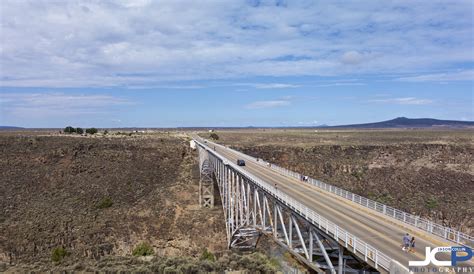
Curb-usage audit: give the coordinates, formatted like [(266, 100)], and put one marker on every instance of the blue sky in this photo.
[(234, 63)]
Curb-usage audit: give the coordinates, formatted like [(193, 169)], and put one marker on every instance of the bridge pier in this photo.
[(340, 263), (206, 182)]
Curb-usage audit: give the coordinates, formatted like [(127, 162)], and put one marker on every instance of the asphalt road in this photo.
[(381, 232)]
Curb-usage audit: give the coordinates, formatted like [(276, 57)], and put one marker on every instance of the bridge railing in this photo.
[(414, 220), (350, 241)]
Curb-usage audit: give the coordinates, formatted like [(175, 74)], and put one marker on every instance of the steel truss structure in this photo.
[(252, 211), (206, 182)]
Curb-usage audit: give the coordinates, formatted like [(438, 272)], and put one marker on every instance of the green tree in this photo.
[(69, 129), (91, 130), (214, 136), (79, 130)]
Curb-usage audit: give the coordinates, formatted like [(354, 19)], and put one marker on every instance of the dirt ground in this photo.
[(426, 172), (100, 196), (52, 188)]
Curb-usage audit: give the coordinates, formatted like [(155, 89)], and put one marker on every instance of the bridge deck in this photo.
[(380, 231)]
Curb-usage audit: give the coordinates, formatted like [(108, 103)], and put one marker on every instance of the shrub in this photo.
[(106, 132), (79, 130), (170, 270), (105, 203), (69, 129), (431, 203), (358, 174), (207, 255), (91, 130), (58, 254), (214, 136), (143, 249), (385, 199), (274, 263)]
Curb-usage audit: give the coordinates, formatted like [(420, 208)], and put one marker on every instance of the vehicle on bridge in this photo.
[(302, 218), (240, 162)]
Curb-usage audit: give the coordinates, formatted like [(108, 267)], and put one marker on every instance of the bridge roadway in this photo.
[(381, 232)]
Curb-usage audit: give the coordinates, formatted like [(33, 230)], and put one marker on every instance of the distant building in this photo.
[(211, 130)]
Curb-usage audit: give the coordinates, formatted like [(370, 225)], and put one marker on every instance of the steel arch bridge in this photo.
[(253, 208), (329, 229)]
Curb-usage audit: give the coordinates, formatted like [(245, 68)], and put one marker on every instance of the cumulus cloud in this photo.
[(404, 101), (268, 104), (144, 43)]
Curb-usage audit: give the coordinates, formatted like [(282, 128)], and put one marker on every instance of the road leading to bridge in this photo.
[(381, 232)]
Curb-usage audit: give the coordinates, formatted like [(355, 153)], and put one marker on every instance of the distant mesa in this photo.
[(9, 127), (400, 122), (403, 122)]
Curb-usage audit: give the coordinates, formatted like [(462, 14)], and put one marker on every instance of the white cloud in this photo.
[(167, 87), (275, 86), (134, 3), (145, 43), (352, 57), (341, 84), (268, 104), (53, 104), (404, 101), (465, 75), (266, 85), (310, 123)]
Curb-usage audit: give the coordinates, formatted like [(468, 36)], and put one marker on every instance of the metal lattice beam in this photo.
[(251, 211)]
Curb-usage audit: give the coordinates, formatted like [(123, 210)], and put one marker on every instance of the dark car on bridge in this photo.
[(240, 162)]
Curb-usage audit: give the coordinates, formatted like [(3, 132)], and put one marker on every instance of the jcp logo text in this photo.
[(458, 254)]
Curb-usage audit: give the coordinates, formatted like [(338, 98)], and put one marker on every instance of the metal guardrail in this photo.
[(414, 220), (349, 240)]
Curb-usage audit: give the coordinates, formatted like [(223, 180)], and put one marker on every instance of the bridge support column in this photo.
[(206, 181), (206, 194), (269, 213), (325, 254), (341, 260), (290, 232), (310, 232)]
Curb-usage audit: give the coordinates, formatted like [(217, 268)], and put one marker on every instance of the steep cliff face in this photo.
[(99, 197), (434, 180)]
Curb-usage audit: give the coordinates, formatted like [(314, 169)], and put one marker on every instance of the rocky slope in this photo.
[(100, 197), (420, 179), (430, 173)]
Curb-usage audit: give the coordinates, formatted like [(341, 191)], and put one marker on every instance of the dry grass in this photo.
[(306, 137)]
